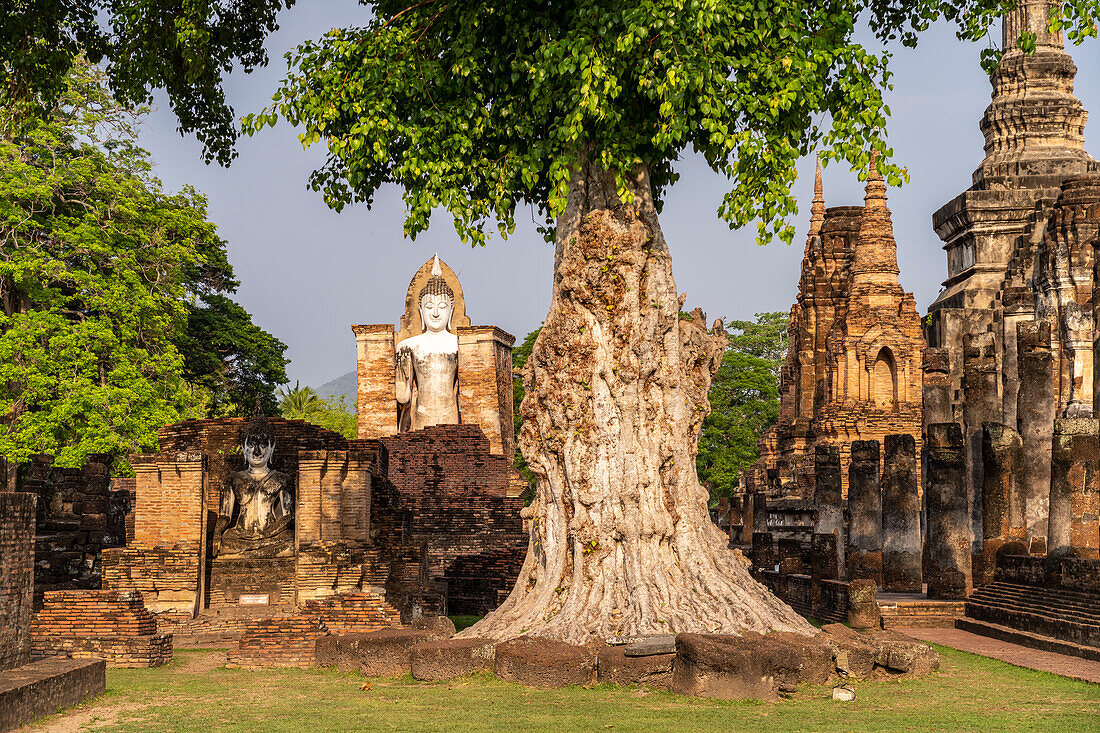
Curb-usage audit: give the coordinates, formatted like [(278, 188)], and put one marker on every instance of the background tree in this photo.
[(580, 110), (334, 413), (744, 400), (179, 46), (104, 279)]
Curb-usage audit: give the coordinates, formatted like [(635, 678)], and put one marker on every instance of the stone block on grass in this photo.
[(450, 658), (382, 653), (879, 654), (616, 667), (545, 663)]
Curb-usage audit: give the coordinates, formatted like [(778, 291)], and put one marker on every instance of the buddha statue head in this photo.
[(257, 441), (437, 302)]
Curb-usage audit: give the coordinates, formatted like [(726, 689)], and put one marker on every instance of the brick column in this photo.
[(1075, 455), (901, 530), (1002, 510), (374, 379), (763, 544), (1035, 410), (17, 512), (864, 551), (485, 384), (307, 512), (948, 573), (747, 517)]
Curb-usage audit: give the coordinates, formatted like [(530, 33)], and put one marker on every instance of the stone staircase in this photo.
[(1052, 619)]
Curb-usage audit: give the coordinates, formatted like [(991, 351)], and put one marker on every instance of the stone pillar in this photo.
[(948, 573), (1035, 411), (901, 530), (1073, 526), (828, 539), (763, 545), (1002, 510), (864, 551), (375, 387), (981, 404), (863, 613), (485, 384), (938, 408), (747, 518), (17, 512)]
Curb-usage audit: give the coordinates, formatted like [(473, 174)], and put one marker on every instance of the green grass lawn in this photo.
[(195, 693)]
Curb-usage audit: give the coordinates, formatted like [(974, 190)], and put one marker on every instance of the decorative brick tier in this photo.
[(107, 625), (447, 515), (277, 642), (45, 686), (290, 641)]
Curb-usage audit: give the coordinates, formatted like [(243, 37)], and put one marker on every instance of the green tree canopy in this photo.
[(180, 46), (111, 290), (477, 107), (744, 400), (303, 403)]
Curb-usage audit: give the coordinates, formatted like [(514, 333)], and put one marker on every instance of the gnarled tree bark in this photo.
[(616, 390)]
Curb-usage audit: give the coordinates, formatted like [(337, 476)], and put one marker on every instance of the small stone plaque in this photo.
[(253, 599)]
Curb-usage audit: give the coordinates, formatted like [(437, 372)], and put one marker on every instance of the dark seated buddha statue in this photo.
[(256, 518)]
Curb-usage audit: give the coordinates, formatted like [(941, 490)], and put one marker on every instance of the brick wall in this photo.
[(108, 625), (485, 384), (444, 495), (17, 512), (167, 578)]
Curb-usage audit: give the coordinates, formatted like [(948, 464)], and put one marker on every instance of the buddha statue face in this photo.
[(435, 312), (257, 452)]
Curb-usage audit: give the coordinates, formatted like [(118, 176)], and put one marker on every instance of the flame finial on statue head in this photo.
[(436, 285)]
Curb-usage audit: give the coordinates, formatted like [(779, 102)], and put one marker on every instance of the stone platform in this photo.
[(47, 685), (908, 610)]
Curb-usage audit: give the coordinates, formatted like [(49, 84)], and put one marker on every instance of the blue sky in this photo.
[(308, 273)]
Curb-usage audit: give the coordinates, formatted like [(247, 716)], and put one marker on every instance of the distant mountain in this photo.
[(342, 385)]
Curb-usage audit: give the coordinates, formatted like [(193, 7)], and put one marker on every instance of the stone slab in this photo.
[(616, 667), (545, 663), (45, 686), (660, 644), (383, 653), (450, 658)]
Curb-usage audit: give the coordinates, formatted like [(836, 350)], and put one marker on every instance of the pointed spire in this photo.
[(817, 209), (436, 270), (876, 254)]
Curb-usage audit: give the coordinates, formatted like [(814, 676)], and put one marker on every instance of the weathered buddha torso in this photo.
[(433, 371), (264, 510)]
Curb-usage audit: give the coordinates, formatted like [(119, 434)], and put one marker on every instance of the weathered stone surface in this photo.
[(948, 544), (1074, 524), (828, 514), (1003, 519), (45, 686), (864, 555), (616, 667), (660, 644), (545, 663), (980, 406), (879, 654), (450, 658), (901, 524), (383, 653), (863, 610), (17, 512), (1036, 406), (748, 666)]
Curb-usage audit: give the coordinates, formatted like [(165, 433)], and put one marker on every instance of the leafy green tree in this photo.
[(180, 46), (303, 403), (103, 278), (744, 400)]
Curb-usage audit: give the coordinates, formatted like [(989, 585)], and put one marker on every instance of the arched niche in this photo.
[(884, 380)]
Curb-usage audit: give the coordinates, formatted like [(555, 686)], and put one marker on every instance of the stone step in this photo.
[(1061, 594), (1027, 638), (1010, 607), (1058, 628), (1037, 603), (1036, 599)]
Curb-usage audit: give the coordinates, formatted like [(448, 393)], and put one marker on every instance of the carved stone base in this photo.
[(257, 582)]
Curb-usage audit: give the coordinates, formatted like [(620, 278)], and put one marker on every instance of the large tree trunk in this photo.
[(621, 541)]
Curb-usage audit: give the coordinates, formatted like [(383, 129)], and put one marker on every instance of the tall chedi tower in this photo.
[(1010, 257)]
